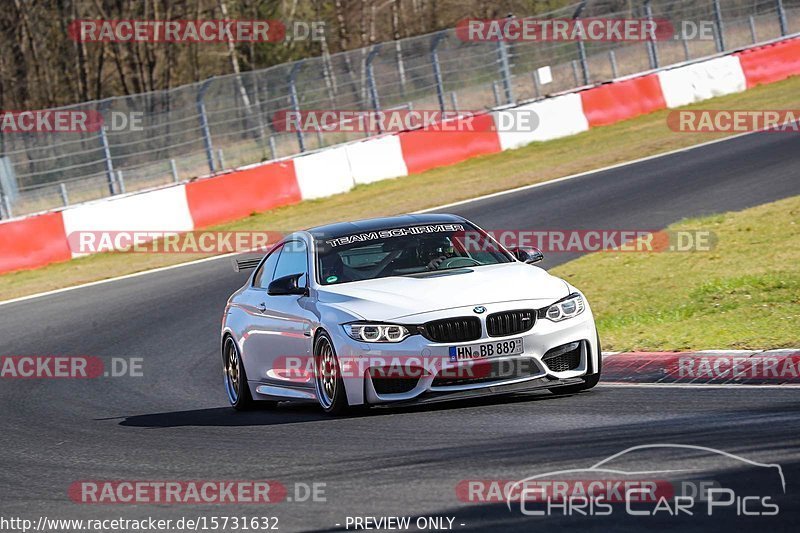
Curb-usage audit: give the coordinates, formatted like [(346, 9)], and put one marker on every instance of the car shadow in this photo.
[(294, 413)]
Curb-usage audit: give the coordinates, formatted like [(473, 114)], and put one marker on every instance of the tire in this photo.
[(328, 381), (589, 381), (236, 379)]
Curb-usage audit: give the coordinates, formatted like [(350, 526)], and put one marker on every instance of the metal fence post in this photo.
[(373, 90), (584, 62), (120, 182), (581, 47), (272, 147), (505, 70), (496, 93), (720, 27), (107, 152), (782, 18), (6, 206), (686, 52), (201, 110), (401, 69), (454, 101), (174, 169), (752, 23), (652, 50), (62, 188), (437, 71), (295, 103), (612, 58), (575, 72), (221, 159), (537, 86), (3, 200)]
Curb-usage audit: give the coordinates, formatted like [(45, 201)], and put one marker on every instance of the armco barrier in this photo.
[(426, 149), (42, 239), (771, 63), (376, 159), (32, 242), (626, 99), (701, 81), (561, 116), (240, 193)]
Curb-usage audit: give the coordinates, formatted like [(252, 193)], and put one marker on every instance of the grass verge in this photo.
[(744, 294), (538, 162)]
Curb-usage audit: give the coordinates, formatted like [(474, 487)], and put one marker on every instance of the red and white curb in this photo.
[(706, 367)]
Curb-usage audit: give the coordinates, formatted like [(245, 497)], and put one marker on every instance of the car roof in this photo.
[(340, 229)]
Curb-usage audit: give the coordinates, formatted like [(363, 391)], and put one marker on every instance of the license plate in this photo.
[(483, 350)]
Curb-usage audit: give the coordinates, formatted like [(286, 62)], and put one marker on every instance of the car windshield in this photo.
[(404, 251)]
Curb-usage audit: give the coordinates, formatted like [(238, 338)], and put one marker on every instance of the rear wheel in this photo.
[(236, 379), (327, 377), (589, 381)]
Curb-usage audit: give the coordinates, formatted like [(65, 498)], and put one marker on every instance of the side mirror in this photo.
[(528, 255), (287, 285)]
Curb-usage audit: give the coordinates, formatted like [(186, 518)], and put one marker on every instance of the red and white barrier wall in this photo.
[(42, 239)]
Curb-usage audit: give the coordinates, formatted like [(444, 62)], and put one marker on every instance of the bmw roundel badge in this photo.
[(479, 309)]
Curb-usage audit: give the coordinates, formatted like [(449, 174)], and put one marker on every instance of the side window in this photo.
[(264, 274), (293, 260)]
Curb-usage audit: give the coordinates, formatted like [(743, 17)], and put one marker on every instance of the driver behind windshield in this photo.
[(433, 250), (346, 259)]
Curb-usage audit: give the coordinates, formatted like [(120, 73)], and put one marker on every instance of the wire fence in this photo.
[(229, 121)]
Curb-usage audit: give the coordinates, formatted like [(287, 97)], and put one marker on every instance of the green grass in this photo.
[(744, 294), (538, 162)]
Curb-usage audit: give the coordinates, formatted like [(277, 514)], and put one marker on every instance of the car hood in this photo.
[(403, 296)]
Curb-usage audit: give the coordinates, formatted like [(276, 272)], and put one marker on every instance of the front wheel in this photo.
[(327, 377), (589, 381)]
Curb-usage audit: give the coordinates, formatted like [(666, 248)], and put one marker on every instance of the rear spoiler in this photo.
[(246, 264)]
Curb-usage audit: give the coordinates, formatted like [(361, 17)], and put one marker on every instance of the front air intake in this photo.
[(564, 358), (510, 322), (459, 329)]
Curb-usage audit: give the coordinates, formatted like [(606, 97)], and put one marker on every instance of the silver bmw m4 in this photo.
[(406, 309)]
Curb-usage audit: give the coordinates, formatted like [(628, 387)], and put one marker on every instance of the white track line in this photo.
[(428, 210), (118, 278), (588, 172)]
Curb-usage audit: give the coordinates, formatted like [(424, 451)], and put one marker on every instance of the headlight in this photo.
[(569, 307), (366, 332)]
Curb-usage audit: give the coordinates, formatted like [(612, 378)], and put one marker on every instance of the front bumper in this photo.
[(369, 377)]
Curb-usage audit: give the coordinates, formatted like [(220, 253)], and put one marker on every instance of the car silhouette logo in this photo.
[(479, 309)]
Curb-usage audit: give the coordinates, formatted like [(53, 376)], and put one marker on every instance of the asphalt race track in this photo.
[(173, 423)]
